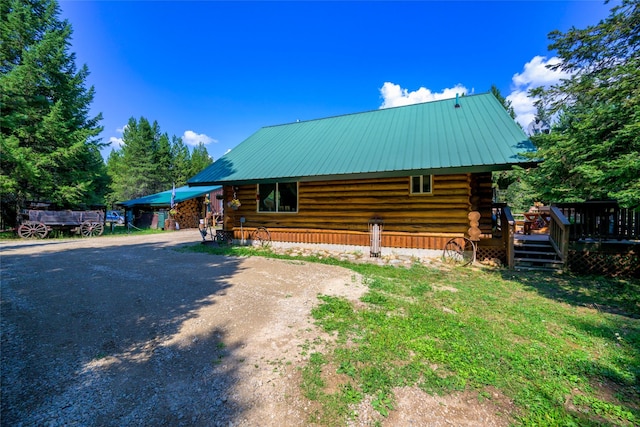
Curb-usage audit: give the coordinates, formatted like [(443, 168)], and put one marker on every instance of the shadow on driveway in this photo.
[(115, 335)]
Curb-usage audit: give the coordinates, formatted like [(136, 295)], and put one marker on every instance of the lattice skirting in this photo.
[(604, 263), (488, 253)]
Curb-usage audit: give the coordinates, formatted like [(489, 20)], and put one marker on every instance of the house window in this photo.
[(278, 197), (421, 184)]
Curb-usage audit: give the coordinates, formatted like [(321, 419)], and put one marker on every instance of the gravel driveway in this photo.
[(127, 331)]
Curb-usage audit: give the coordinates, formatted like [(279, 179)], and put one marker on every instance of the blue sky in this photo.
[(218, 71)]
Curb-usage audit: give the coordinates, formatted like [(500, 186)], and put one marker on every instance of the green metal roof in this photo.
[(428, 138), (164, 198)]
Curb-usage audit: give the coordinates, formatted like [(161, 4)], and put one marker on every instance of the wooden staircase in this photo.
[(536, 253)]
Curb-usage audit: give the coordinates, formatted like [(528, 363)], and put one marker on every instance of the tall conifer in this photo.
[(181, 161), (593, 151), (200, 159), (49, 143)]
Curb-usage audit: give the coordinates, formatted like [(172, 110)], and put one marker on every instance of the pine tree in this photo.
[(149, 162), (115, 170), (181, 162), (593, 151), (50, 146), (200, 159), (133, 168), (163, 161), (504, 101), (508, 182)]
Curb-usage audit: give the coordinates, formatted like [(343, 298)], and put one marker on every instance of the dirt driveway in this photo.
[(127, 331)]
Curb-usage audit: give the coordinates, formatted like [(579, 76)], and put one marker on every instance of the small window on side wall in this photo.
[(421, 184)]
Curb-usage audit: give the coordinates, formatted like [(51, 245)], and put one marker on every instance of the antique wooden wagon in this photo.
[(36, 224)]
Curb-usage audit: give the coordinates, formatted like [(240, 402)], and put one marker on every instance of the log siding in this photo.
[(338, 212)]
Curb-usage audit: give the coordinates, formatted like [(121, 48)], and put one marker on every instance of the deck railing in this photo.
[(559, 229), (601, 221)]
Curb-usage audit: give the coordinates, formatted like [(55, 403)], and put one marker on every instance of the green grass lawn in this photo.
[(564, 349)]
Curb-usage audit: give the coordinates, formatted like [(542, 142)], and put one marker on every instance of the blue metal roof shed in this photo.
[(164, 198)]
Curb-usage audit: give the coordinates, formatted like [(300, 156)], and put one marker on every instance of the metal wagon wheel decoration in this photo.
[(459, 251), (224, 237), (91, 229), (33, 230), (261, 237)]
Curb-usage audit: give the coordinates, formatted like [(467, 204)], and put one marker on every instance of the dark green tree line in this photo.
[(149, 162), (512, 188), (49, 143), (504, 101), (593, 150)]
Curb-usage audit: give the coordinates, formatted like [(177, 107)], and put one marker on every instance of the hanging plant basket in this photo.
[(234, 204)]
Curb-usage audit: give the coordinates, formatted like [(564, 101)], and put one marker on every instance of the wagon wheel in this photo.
[(91, 229), (225, 237), (33, 230), (261, 237), (461, 251)]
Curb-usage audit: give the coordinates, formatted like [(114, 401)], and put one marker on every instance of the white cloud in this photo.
[(116, 142), (523, 106), (535, 73), (191, 138), (394, 96)]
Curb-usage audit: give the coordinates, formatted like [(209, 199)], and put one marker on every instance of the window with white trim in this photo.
[(421, 184), (278, 197)]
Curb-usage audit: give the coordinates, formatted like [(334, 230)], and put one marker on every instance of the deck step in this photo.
[(538, 267), (531, 268), (539, 260), (532, 244), (528, 252), (536, 255)]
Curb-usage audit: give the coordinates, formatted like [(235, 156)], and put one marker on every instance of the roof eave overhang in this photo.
[(370, 175)]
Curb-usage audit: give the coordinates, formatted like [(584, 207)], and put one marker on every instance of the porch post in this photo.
[(508, 231)]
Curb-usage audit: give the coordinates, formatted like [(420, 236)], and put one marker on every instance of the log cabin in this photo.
[(416, 170)]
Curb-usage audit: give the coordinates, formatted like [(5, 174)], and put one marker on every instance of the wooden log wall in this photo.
[(340, 207), (482, 199)]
